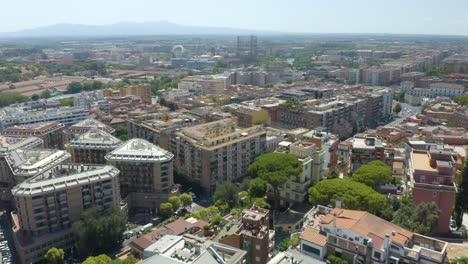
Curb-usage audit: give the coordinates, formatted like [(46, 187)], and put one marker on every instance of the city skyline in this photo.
[(364, 16)]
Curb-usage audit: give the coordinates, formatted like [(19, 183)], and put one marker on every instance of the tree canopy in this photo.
[(373, 174), (54, 255), (227, 192), (186, 199), (166, 209), (99, 229), (275, 168), (257, 188), (175, 202), (461, 100), (421, 218), (8, 98), (397, 109), (104, 259), (354, 195), (461, 201)]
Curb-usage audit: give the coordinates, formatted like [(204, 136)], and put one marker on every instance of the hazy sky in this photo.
[(321, 16)]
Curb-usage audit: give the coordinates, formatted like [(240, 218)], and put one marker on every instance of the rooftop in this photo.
[(139, 150), (92, 123), (30, 162), (367, 225), (63, 176), (95, 139), (8, 144), (421, 161), (191, 249)]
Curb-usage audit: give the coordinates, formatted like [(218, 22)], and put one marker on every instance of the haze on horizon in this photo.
[(307, 16)]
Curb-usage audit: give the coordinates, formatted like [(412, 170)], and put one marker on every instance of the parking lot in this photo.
[(6, 253)]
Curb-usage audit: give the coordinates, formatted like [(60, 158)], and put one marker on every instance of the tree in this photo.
[(421, 218), (121, 132), (67, 101), (175, 202), (8, 98), (461, 201), (354, 195), (186, 199), (101, 259), (99, 229), (54, 255), (45, 94), (35, 97), (461, 100), (166, 209), (275, 168), (336, 260), (227, 192), (258, 188), (397, 108), (401, 97), (74, 87), (462, 260), (104, 259), (373, 174)]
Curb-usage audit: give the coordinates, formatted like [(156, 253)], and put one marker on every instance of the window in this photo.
[(434, 194), (311, 250), (377, 254)]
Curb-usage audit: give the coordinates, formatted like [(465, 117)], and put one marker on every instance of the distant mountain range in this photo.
[(126, 29)]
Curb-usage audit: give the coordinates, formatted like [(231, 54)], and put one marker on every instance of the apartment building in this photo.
[(360, 237), (206, 84), (28, 163), (248, 116), (143, 91), (92, 146), (10, 116), (158, 129), (8, 145), (211, 153), (49, 203), (146, 173), (51, 133), (294, 190), (431, 176), (327, 142), (83, 127), (251, 233), (363, 149), (446, 89)]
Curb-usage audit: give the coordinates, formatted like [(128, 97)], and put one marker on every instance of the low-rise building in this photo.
[(251, 232), (92, 146), (146, 173), (360, 237), (50, 132), (190, 249), (49, 203)]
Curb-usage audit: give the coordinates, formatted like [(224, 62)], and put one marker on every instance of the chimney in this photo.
[(386, 242), (334, 221), (338, 202)]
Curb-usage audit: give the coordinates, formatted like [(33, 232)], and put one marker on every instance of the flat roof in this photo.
[(421, 161)]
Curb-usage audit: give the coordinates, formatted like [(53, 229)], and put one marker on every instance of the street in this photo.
[(406, 111)]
